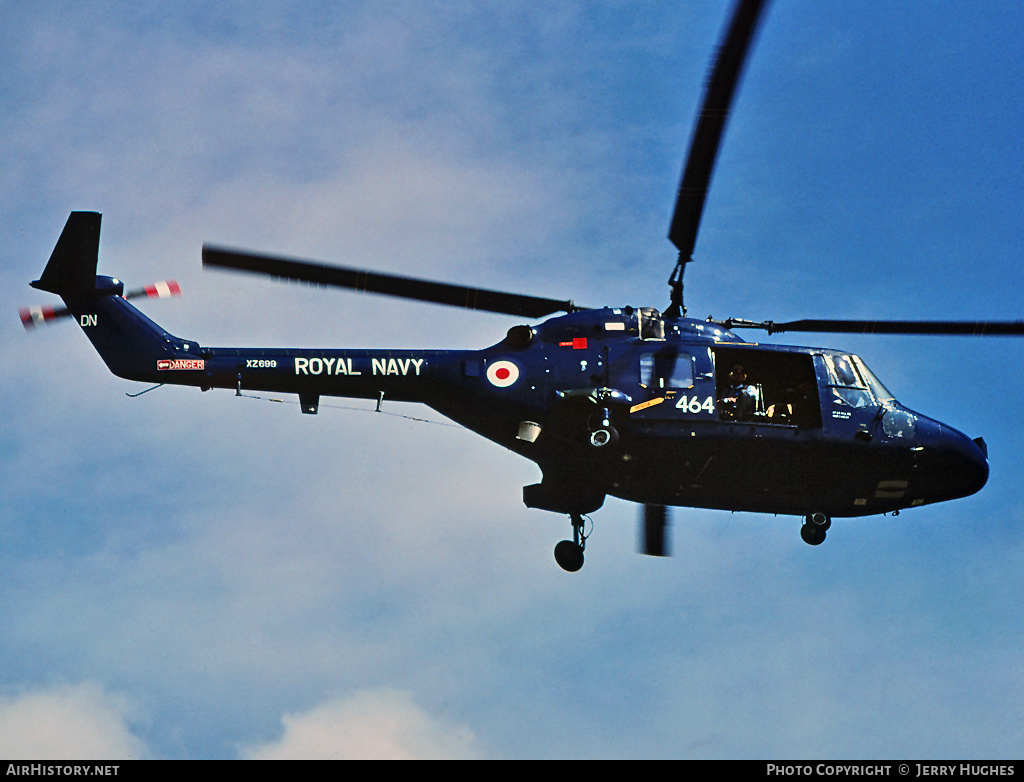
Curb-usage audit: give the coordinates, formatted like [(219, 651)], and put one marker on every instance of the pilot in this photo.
[(792, 402), (738, 400)]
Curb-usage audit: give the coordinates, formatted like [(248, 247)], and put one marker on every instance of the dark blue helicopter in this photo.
[(651, 407)]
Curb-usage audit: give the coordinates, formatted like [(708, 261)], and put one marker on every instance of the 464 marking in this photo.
[(693, 404)]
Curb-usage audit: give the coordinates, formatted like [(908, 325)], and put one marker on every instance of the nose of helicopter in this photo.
[(957, 465)]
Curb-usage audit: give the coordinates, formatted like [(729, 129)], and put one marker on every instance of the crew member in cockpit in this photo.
[(737, 403)]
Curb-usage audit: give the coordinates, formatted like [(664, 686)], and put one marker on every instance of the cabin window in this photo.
[(651, 324), (666, 369)]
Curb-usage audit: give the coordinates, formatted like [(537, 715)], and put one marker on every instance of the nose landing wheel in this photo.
[(569, 553)]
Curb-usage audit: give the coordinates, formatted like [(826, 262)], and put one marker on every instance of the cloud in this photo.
[(373, 724), (68, 722), (84, 721)]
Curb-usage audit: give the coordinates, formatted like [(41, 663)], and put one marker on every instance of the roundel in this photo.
[(502, 373)]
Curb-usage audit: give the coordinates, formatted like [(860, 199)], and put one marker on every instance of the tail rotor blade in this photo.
[(158, 290), (38, 315)]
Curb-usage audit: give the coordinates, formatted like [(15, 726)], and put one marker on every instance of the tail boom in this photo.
[(136, 348)]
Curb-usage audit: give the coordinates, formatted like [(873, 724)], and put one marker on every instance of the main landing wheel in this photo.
[(814, 528), (605, 435), (569, 553), (602, 433), (569, 556)]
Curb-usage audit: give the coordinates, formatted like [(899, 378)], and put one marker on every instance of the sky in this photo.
[(190, 575)]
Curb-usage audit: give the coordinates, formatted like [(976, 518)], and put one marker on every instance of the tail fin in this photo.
[(130, 344), (71, 270)]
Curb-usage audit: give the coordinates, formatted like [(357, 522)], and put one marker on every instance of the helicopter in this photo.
[(646, 405)]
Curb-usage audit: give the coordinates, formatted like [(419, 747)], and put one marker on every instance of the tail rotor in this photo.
[(40, 315)]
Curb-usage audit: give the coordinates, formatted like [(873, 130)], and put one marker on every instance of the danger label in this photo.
[(163, 364)]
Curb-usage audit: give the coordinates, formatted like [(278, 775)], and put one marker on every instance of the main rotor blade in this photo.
[(654, 535), (387, 284), (700, 162), (980, 328)]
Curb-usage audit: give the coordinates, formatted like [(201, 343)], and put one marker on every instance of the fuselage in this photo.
[(620, 402)]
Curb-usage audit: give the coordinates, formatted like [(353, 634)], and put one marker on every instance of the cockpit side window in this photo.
[(848, 387), (842, 372), (882, 394)]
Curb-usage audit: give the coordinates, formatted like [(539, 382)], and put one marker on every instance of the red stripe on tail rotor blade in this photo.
[(161, 290), (34, 316)]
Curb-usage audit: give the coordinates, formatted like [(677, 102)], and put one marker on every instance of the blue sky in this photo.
[(191, 575)]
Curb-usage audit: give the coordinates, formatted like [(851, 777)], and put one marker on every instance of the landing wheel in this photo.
[(569, 553), (814, 528), (569, 556), (604, 436), (813, 536), (602, 433)]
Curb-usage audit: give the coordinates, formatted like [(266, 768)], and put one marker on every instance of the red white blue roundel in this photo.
[(502, 373)]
